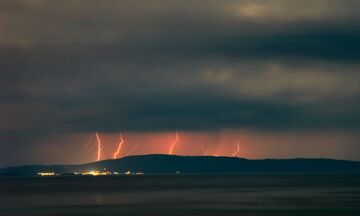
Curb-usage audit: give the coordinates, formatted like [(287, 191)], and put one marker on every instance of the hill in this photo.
[(171, 164)]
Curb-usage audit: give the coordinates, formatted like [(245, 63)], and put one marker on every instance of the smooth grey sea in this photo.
[(246, 194)]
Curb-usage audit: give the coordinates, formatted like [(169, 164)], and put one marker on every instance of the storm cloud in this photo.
[(188, 65)]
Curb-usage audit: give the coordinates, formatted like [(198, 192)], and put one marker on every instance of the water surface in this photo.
[(247, 194)]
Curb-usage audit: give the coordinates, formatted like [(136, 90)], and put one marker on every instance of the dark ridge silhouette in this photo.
[(171, 164)]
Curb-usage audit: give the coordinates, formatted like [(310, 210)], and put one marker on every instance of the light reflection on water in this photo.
[(248, 194)]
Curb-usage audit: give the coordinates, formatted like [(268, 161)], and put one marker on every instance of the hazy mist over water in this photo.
[(246, 194)]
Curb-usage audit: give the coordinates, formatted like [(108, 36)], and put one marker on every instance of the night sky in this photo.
[(278, 77)]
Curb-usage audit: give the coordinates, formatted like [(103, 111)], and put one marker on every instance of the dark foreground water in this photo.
[(247, 194)]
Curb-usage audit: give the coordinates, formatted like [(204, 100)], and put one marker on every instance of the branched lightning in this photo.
[(119, 147), (177, 139), (98, 146), (171, 147)]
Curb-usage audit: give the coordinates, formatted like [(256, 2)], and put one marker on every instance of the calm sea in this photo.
[(247, 194)]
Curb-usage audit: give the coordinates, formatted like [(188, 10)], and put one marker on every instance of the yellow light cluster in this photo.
[(92, 173), (47, 174), (133, 173), (96, 173)]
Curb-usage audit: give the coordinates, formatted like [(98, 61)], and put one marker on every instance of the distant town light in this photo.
[(96, 173), (91, 173), (47, 174)]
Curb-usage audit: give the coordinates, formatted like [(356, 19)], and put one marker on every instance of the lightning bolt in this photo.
[(119, 147), (98, 146), (237, 149), (177, 139)]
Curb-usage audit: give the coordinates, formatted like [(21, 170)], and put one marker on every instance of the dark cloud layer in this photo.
[(80, 66)]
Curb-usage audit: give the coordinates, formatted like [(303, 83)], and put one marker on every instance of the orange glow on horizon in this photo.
[(186, 144), (177, 139), (131, 150), (119, 147), (98, 146), (237, 150)]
